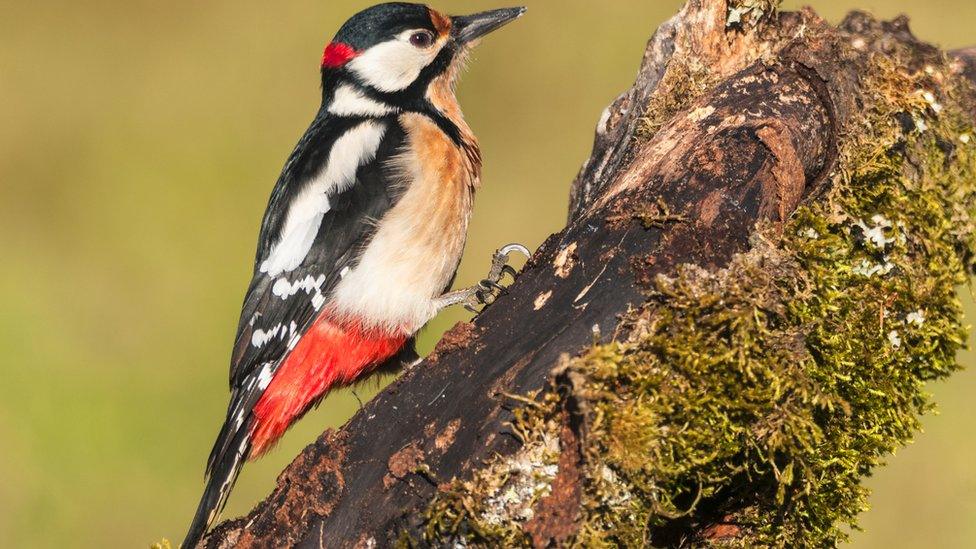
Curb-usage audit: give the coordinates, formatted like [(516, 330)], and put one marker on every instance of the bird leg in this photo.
[(488, 290)]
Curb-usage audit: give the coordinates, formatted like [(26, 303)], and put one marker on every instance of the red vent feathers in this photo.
[(337, 54), (329, 355)]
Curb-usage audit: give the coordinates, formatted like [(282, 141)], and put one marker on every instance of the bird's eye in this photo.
[(422, 39)]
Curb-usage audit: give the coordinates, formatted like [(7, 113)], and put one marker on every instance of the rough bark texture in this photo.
[(967, 58), (685, 165)]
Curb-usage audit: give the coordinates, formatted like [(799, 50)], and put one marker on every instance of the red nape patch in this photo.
[(329, 355), (337, 54)]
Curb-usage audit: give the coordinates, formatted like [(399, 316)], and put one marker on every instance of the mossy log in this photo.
[(735, 327)]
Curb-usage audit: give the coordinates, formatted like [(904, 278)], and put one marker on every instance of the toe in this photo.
[(490, 285)]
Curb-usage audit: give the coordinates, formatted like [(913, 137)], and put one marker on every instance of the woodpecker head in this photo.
[(395, 50)]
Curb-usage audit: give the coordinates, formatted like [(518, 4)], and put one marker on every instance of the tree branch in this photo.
[(729, 128)]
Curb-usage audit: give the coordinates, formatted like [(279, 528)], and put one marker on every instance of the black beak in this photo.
[(468, 28)]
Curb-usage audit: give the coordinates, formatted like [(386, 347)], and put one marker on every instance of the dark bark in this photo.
[(967, 60), (762, 140)]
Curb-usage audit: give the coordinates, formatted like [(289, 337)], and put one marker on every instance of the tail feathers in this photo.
[(238, 419), (222, 473)]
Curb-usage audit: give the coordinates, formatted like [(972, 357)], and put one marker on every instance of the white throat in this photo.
[(349, 101)]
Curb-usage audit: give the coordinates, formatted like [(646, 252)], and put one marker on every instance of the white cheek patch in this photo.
[(348, 101), (393, 65), (356, 147)]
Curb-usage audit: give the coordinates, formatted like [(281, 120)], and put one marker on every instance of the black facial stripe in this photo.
[(418, 104), (414, 97), (445, 124), (405, 101)]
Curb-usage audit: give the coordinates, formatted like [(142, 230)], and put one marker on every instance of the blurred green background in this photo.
[(139, 141)]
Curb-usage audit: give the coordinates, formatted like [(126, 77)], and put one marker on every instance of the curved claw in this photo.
[(506, 250), (489, 290), (499, 262), (491, 284)]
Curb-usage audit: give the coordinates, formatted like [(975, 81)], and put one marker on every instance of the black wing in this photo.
[(344, 231), (278, 310)]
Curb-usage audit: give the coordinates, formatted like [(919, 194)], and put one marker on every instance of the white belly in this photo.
[(418, 244)]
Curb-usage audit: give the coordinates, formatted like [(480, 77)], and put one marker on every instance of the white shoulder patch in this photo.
[(355, 148), (348, 101)]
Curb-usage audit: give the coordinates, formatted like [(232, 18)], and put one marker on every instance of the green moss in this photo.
[(761, 396), (499, 500), (682, 84)]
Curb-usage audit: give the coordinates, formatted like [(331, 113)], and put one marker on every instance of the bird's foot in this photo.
[(489, 289)]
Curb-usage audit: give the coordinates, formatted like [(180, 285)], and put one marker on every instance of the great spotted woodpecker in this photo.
[(363, 232)]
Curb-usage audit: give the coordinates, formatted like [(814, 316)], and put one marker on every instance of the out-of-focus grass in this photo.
[(138, 144)]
